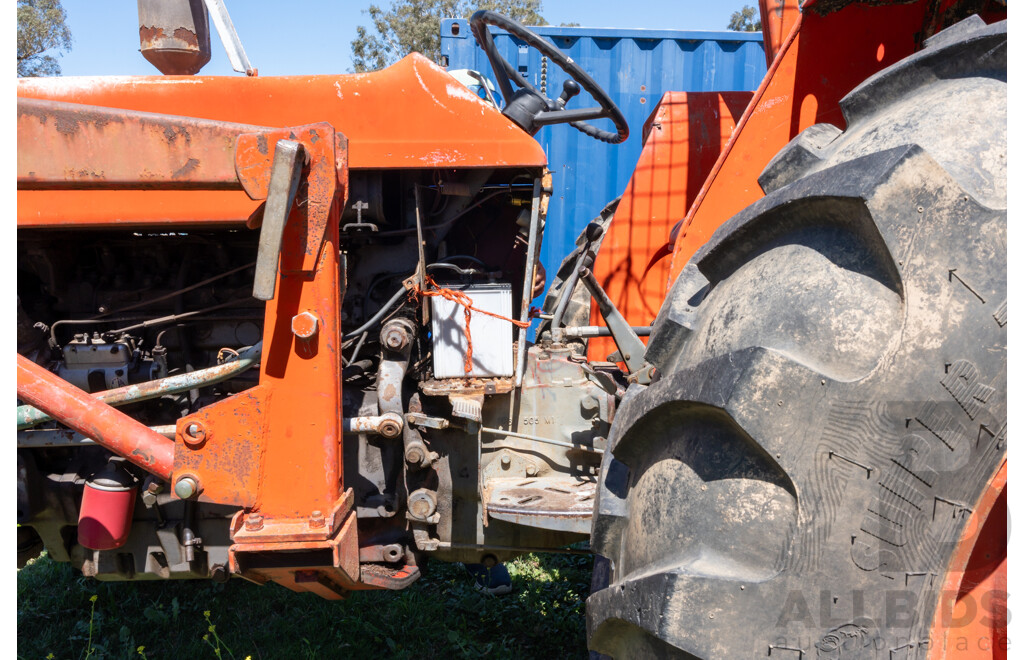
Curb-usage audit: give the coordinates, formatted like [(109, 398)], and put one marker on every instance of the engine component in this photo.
[(29, 416), (94, 363), (108, 502)]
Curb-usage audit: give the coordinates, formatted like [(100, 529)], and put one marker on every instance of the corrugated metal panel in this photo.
[(635, 67)]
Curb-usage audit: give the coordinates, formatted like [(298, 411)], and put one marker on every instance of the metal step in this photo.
[(561, 503)]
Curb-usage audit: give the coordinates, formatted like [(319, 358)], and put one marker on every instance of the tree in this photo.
[(415, 25), (41, 27), (743, 20)]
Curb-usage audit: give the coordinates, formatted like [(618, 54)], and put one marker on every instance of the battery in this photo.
[(492, 337)]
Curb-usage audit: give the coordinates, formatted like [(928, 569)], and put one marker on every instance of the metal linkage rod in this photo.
[(106, 425)]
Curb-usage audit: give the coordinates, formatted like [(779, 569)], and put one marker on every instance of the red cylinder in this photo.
[(105, 518)]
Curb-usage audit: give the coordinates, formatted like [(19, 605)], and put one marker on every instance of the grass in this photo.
[(64, 615)]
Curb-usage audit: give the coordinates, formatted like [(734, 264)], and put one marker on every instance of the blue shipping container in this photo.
[(635, 68)]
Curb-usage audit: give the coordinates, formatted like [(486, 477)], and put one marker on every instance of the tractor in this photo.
[(277, 329)]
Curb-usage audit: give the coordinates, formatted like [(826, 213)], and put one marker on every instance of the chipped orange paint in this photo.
[(74, 146), (227, 465)]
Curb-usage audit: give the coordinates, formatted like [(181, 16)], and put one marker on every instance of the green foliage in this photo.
[(414, 26), (440, 616), (743, 20), (41, 28)]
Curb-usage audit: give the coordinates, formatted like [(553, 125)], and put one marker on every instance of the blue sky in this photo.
[(314, 36)]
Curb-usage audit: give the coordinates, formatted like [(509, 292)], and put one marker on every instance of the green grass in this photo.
[(64, 615)]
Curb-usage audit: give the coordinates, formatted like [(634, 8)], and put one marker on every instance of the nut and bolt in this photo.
[(422, 504), (186, 487), (531, 470), (395, 336), (317, 520), (392, 552), (506, 461), (391, 427), (415, 454), (253, 522), (305, 325), (195, 434)]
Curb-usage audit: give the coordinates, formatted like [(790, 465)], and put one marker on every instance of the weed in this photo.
[(216, 644), (92, 616)]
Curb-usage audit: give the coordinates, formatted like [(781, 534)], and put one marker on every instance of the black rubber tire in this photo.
[(832, 395)]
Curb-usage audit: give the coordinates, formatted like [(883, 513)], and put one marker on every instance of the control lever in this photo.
[(569, 89), (627, 341), (289, 159)]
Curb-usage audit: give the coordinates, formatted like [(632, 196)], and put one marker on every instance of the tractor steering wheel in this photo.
[(530, 109)]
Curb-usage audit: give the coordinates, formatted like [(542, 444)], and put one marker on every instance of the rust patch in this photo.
[(149, 34), (187, 169), (66, 124), (188, 36), (143, 456), (261, 144), (171, 133), (86, 174), (389, 392)]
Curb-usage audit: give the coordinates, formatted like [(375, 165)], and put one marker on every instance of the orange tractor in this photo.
[(276, 329)]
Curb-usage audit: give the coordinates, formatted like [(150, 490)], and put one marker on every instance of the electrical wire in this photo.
[(177, 317), (378, 316)]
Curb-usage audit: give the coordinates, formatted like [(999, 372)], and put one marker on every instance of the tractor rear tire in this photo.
[(831, 407)]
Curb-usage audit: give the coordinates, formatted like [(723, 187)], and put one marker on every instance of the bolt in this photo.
[(317, 520), (195, 435), (422, 504), (531, 470), (416, 454), (219, 573), (186, 487), (392, 552), (253, 522), (391, 425), (506, 461), (395, 337), (305, 325)]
